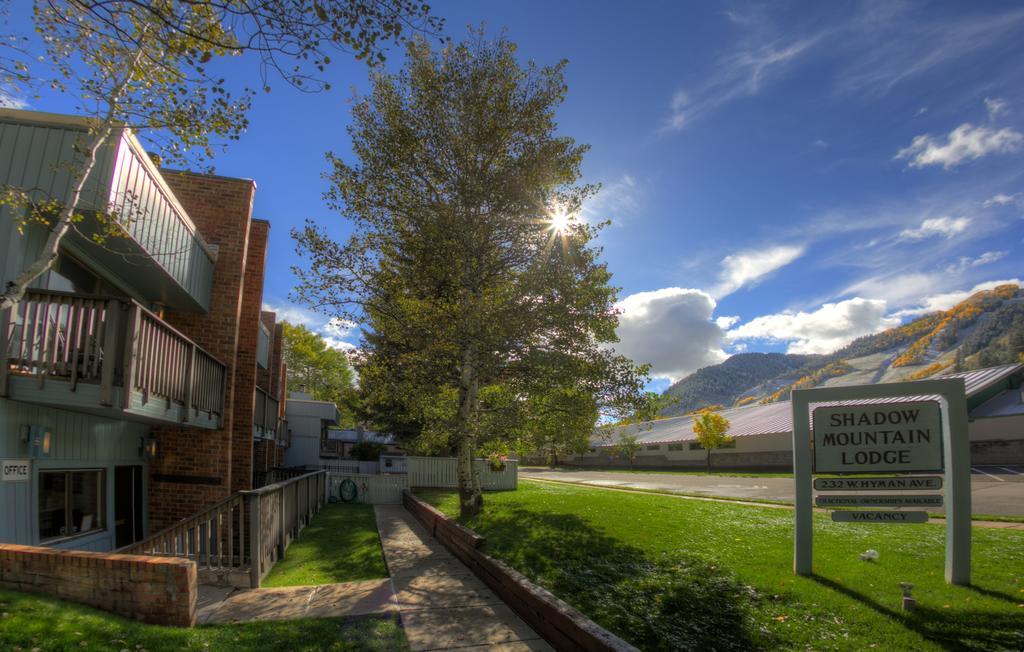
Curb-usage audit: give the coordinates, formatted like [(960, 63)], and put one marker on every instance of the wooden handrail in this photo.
[(109, 342)]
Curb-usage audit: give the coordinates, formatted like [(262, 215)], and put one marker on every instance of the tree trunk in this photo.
[(708, 463), (16, 289), (471, 499)]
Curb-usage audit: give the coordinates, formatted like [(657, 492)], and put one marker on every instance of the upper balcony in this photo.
[(161, 257), (107, 357), (266, 422)]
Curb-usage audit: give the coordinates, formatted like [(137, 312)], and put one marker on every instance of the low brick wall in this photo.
[(562, 626), (158, 590)]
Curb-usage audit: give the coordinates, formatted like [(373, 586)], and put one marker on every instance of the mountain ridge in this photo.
[(985, 329)]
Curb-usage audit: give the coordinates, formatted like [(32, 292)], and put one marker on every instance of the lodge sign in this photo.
[(876, 500), (16, 470), (882, 437), (896, 483), (861, 516)]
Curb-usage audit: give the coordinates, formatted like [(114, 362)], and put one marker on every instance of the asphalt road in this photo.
[(994, 490)]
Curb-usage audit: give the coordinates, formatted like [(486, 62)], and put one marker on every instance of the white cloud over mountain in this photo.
[(671, 329), (964, 143), (746, 267), (943, 226), (824, 330)]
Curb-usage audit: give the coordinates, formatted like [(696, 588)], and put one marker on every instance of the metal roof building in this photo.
[(993, 391)]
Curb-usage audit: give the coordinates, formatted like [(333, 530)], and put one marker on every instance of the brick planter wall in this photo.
[(560, 625), (157, 590)]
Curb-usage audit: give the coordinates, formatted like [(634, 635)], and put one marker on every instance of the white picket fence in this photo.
[(370, 488), (350, 466), (425, 472), (441, 473)]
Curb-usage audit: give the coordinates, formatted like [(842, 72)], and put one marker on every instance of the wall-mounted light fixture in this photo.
[(37, 441), (147, 448)]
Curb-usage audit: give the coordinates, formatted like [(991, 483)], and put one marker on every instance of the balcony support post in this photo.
[(112, 314), (5, 324), (189, 381), (131, 334)]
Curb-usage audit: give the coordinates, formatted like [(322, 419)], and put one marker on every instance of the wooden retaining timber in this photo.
[(562, 626)]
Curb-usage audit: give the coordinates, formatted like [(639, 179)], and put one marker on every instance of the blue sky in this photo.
[(780, 177)]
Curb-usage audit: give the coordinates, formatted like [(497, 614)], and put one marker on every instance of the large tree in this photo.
[(485, 305), (152, 66), (324, 371)]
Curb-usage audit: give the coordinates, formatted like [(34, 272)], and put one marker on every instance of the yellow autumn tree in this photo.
[(711, 428)]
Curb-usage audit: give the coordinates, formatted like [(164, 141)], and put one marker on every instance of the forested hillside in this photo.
[(984, 330), (723, 384)]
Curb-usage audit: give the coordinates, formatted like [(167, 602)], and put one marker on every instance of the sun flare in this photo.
[(559, 221)]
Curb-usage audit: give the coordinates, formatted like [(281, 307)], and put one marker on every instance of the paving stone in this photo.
[(442, 591), (443, 605), (288, 603), (352, 599), (439, 629)]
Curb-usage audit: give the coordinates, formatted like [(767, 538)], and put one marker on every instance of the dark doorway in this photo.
[(127, 505)]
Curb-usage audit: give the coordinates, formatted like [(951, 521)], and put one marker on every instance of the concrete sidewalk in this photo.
[(442, 604), (230, 605)]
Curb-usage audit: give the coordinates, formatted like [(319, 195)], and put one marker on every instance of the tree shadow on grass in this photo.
[(671, 602), (949, 629)]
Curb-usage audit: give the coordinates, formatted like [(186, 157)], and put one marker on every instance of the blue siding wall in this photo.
[(79, 441)]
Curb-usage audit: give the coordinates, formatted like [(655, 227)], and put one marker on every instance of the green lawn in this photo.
[(340, 545), (666, 573), (32, 622)]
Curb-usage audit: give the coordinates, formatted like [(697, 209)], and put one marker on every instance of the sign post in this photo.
[(918, 435)]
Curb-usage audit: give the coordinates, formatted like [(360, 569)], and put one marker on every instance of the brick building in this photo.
[(140, 380)]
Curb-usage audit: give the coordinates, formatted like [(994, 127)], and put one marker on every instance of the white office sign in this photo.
[(876, 500), (897, 483), (880, 437), (16, 470), (862, 516)]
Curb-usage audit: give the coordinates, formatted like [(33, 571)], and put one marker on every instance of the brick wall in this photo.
[(194, 466), (158, 590), (245, 361)]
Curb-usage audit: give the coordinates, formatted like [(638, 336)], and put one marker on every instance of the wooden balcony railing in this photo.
[(109, 343), (247, 532), (265, 415)]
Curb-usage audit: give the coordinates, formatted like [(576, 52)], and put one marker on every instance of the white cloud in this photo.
[(338, 327), (1000, 200), (727, 321), (748, 266), (946, 300), (332, 331), (966, 142), (996, 106), (8, 101), (824, 330), (677, 119), (296, 315), (820, 144), (742, 73), (614, 201), (966, 262), (671, 329), (937, 226)]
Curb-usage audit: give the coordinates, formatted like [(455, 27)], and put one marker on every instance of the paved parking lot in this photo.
[(994, 489)]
